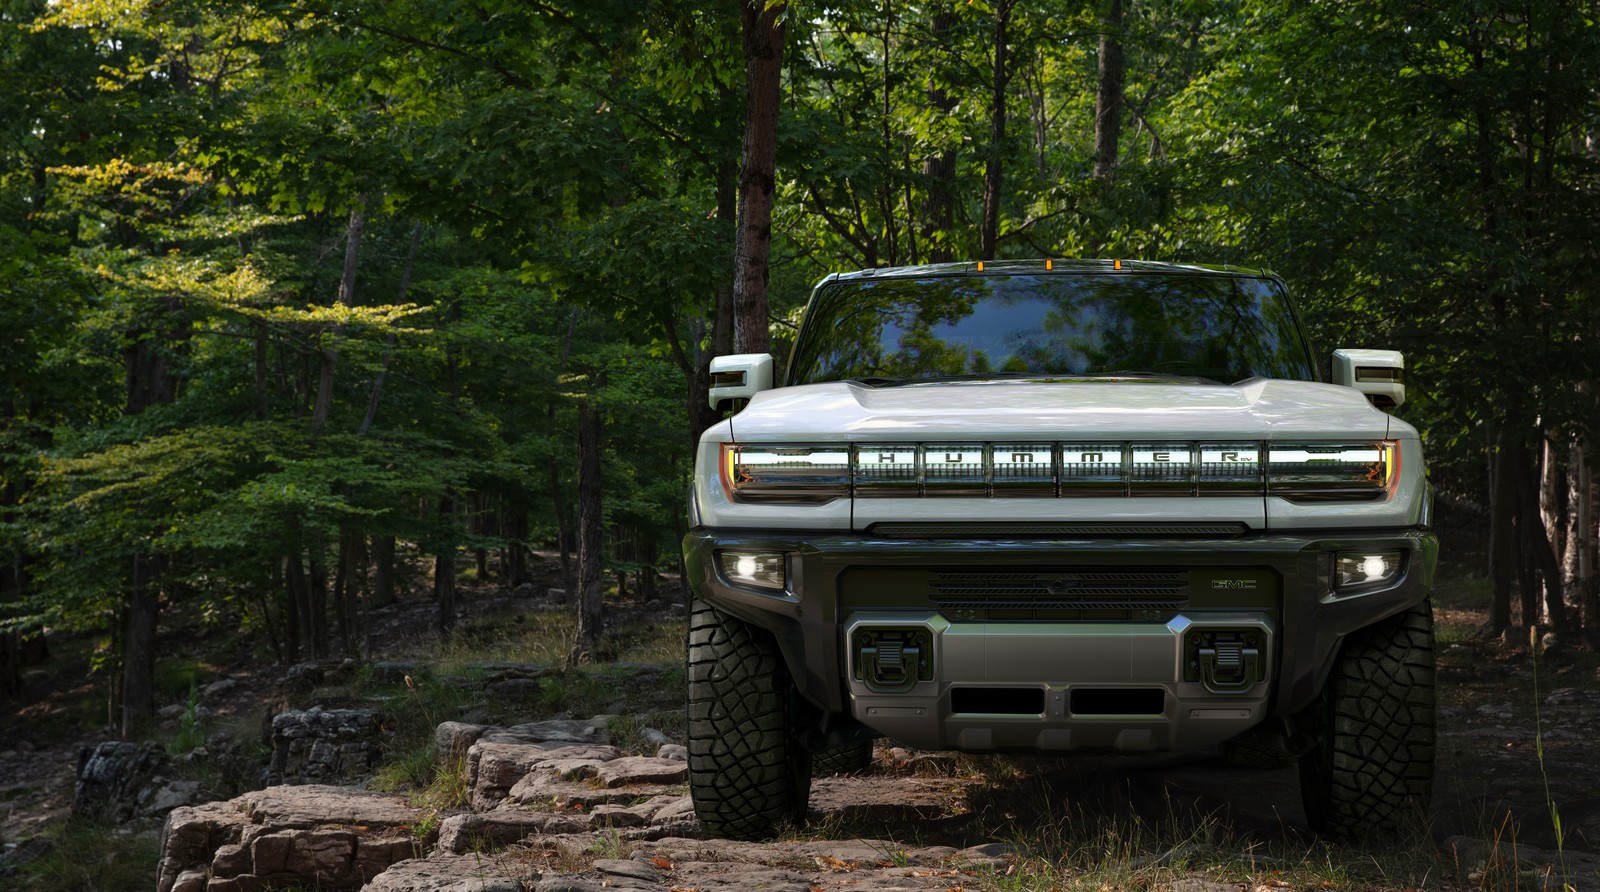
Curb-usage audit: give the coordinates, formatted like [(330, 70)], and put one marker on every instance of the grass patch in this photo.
[(91, 856)]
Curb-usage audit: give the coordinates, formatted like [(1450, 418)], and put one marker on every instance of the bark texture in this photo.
[(1108, 94), (591, 534), (763, 65), (994, 167)]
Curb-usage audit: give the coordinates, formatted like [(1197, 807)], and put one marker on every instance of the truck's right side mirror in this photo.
[(739, 377), (1380, 374)]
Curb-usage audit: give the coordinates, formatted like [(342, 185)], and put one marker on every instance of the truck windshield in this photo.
[(905, 330)]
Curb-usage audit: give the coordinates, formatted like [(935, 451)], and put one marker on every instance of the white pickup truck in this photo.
[(1059, 506)]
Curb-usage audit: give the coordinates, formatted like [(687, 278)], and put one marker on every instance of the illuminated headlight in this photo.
[(1332, 471), (760, 569), (785, 473), (1355, 569)]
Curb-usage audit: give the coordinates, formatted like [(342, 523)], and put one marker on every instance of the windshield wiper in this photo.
[(940, 379), (1046, 377), (1149, 376)]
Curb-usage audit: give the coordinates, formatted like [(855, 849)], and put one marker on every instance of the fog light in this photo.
[(1356, 569), (763, 570)]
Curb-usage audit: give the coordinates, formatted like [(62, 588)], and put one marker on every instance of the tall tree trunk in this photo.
[(150, 380), (939, 207), (1544, 559), (763, 65), (143, 609), (1108, 93), (347, 297), (993, 171), (1586, 525), (383, 583), (1502, 542), (444, 572), (701, 415), (291, 608), (591, 530), (317, 579), (558, 501)]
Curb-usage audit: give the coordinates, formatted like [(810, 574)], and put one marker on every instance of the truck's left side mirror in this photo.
[(1380, 374), (739, 377)]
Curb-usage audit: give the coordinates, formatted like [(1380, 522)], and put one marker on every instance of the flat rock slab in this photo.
[(457, 873), (888, 798), (315, 804), (707, 865)]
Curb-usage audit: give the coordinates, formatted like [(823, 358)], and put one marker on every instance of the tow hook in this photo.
[(892, 660), (1226, 662)]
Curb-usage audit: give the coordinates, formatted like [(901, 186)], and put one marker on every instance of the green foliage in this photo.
[(543, 195)]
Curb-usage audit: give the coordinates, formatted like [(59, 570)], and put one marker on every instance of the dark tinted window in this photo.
[(1219, 327)]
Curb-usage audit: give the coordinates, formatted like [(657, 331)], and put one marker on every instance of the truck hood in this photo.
[(1259, 409)]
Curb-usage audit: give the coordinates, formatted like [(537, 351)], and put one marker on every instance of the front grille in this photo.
[(1125, 595)]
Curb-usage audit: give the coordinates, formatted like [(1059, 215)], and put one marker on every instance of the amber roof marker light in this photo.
[(1049, 264), (1116, 264)]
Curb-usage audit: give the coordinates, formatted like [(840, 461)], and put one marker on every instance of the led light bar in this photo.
[(1302, 471), (785, 473), (1308, 472)]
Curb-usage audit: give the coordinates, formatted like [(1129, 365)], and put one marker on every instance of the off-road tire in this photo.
[(851, 758), (748, 773), (1371, 772)]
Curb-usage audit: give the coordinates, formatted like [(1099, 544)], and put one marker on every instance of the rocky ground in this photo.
[(599, 803)]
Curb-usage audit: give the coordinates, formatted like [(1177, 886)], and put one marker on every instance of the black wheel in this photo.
[(852, 758), (748, 773), (1371, 772)]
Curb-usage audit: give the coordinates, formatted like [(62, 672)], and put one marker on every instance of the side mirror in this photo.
[(739, 377), (1380, 374)]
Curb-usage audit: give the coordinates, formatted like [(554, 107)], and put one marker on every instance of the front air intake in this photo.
[(1118, 701), (997, 701)]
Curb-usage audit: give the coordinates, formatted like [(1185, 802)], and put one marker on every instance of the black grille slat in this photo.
[(1101, 594), (994, 530)]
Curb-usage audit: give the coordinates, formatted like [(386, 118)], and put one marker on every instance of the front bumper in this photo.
[(832, 594)]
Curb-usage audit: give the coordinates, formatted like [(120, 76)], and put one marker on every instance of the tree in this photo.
[(764, 27)]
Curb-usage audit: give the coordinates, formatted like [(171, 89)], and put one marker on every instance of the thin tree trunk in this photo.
[(939, 207), (444, 573), (993, 171), (558, 501), (139, 651), (763, 64), (347, 297), (1544, 558), (1586, 523), (1502, 544), (591, 531), (1108, 93), (383, 587), (317, 578), (701, 415), (291, 608)]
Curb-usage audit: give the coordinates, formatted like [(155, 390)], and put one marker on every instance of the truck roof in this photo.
[(1045, 267)]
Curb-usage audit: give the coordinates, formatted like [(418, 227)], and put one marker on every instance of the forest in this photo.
[(310, 304)]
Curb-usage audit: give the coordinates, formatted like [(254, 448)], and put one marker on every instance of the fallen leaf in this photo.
[(661, 862)]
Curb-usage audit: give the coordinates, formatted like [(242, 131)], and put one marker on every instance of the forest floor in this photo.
[(1098, 822)]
